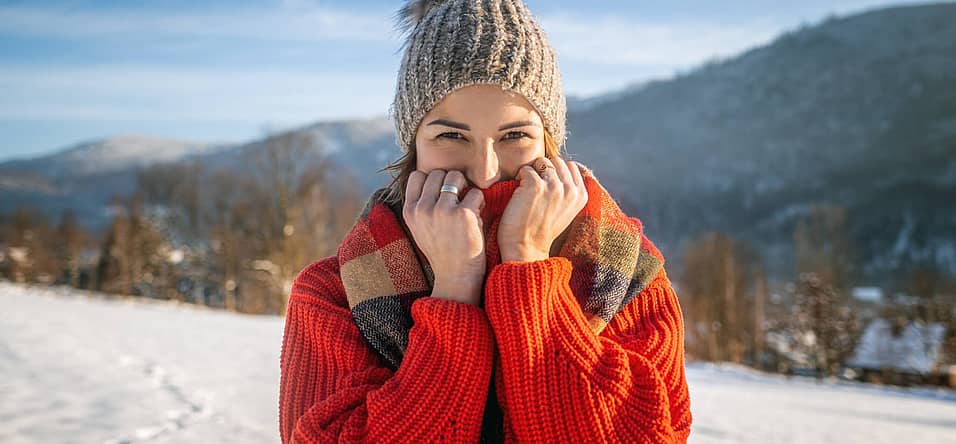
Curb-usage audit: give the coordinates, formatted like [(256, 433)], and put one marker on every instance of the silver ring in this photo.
[(449, 188)]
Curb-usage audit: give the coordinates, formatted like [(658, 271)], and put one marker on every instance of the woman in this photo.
[(493, 291)]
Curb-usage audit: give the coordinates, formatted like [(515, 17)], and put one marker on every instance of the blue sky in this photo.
[(226, 71)]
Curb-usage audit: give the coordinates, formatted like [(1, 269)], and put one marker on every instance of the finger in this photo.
[(564, 173), (413, 188), (528, 175), (473, 201), (579, 182), (546, 170), (576, 174), (431, 188), (457, 179)]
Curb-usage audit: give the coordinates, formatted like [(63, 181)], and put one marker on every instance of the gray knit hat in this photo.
[(455, 43)]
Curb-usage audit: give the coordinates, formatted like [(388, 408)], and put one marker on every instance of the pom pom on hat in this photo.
[(410, 15)]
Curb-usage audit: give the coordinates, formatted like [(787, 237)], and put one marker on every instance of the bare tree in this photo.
[(29, 247), (70, 241), (129, 257), (717, 275), (825, 313), (831, 328), (256, 223), (760, 317), (271, 222), (177, 187)]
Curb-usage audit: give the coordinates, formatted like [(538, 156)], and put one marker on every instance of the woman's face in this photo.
[(481, 130)]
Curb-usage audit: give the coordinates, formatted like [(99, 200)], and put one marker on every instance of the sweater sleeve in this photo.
[(334, 388), (561, 382)]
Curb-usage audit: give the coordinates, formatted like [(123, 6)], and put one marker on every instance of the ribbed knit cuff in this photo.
[(540, 276), (449, 337), (455, 326), (531, 303)]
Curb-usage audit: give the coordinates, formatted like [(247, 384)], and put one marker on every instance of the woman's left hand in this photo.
[(541, 208)]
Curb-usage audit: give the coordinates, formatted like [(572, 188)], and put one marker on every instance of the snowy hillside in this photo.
[(110, 154), (84, 176), (360, 145), (77, 367)]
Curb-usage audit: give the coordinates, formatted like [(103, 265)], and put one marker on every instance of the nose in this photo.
[(484, 170)]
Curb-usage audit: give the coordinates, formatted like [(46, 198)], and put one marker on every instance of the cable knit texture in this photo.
[(558, 366)]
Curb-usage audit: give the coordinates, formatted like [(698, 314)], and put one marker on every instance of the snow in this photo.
[(83, 369), (79, 367), (124, 151), (868, 294), (737, 405)]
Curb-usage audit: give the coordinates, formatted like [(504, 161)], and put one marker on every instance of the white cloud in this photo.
[(597, 53), (287, 94), (123, 93), (622, 42), (298, 22), (681, 42)]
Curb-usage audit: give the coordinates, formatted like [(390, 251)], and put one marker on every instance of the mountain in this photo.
[(84, 176), (109, 155), (361, 146), (585, 103), (856, 111)]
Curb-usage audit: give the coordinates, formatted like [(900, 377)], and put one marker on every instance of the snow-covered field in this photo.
[(80, 369)]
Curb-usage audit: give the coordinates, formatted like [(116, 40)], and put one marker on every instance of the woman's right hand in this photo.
[(448, 232)]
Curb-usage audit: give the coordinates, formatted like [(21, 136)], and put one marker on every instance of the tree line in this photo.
[(810, 323), (235, 236), (231, 236)]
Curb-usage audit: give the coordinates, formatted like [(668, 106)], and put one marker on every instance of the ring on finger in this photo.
[(543, 168), (447, 188)]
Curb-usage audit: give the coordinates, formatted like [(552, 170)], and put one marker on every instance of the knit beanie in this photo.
[(455, 43)]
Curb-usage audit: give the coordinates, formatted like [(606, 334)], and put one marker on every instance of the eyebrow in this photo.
[(462, 126)]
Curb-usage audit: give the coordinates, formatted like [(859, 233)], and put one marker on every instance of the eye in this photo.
[(459, 136), (519, 135)]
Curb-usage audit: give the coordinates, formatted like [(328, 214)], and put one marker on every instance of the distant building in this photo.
[(901, 352)]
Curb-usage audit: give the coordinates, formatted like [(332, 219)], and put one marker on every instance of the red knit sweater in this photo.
[(555, 379)]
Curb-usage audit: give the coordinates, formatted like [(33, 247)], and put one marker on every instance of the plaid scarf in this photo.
[(383, 271)]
